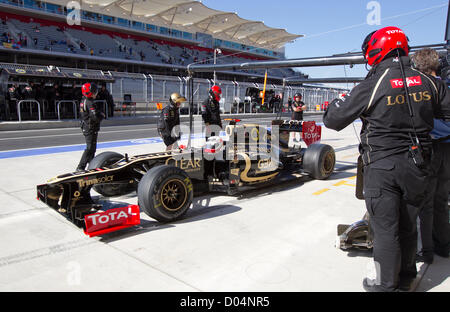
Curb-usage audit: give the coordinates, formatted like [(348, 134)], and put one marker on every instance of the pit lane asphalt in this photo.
[(278, 238), (37, 138)]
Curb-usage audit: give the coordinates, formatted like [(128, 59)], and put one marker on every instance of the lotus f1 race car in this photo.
[(248, 156)]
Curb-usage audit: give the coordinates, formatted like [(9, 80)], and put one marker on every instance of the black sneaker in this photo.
[(442, 253), (370, 286), (405, 284), (428, 259)]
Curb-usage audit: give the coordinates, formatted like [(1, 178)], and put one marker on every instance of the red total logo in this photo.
[(311, 132), (412, 81), (111, 220)]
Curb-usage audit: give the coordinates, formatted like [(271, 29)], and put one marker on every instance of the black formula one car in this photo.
[(248, 156)]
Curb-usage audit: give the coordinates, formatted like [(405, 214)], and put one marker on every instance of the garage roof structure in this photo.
[(192, 16)]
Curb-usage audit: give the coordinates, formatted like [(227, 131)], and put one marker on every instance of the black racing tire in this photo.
[(165, 193), (109, 189), (319, 161)]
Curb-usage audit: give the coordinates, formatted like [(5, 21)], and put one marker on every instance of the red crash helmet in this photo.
[(216, 92), (380, 43), (89, 90)]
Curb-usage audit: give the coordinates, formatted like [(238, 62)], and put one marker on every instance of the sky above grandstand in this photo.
[(334, 27)]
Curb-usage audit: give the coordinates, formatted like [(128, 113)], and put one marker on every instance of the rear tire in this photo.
[(165, 193), (319, 161), (109, 189)]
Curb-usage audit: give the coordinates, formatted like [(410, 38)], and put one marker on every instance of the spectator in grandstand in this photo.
[(434, 225), (91, 117), (169, 119), (211, 112)]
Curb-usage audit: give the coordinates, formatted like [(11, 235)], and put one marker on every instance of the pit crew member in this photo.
[(211, 112), (434, 225), (91, 116), (397, 119), (298, 107), (170, 118)]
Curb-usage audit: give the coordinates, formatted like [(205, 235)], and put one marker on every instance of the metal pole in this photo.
[(191, 108), (305, 62), (215, 52), (145, 93)]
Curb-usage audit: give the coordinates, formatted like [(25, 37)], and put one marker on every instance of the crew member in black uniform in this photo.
[(434, 225), (397, 119), (91, 117), (289, 104), (297, 112), (103, 94), (211, 112), (298, 107), (170, 118)]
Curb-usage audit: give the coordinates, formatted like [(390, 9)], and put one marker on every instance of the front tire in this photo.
[(109, 189), (165, 193), (319, 161)]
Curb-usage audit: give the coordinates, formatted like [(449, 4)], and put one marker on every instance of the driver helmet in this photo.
[(379, 44), (213, 145), (89, 90), (176, 99), (215, 93)]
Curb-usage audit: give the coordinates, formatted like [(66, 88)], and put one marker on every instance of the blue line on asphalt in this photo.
[(65, 149), (81, 147)]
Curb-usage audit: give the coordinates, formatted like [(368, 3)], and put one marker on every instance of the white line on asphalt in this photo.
[(103, 131), (78, 134)]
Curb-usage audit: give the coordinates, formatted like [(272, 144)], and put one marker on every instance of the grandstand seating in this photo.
[(60, 37)]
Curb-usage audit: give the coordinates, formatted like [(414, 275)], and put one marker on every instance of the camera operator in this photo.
[(397, 119)]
